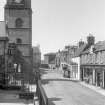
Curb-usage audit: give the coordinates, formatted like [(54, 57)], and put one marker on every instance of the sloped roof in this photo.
[(99, 46), (80, 50)]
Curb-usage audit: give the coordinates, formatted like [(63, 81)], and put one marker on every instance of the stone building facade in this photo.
[(92, 64), (18, 17), (76, 59), (65, 56), (49, 59)]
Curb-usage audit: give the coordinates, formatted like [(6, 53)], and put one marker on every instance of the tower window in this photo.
[(18, 41), (19, 22)]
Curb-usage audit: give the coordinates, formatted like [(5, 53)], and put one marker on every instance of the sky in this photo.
[(57, 23)]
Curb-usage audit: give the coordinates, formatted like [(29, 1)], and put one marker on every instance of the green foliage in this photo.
[(18, 58), (26, 67)]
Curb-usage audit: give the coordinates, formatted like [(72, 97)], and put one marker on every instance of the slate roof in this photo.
[(80, 50), (86, 50), (99, 46)]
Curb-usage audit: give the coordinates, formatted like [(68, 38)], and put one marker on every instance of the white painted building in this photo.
[(77, 71)]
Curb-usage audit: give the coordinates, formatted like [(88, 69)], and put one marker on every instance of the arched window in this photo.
[(19, 22), (18, 41)]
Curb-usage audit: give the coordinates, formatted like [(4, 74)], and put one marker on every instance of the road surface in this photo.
[(63, 91)]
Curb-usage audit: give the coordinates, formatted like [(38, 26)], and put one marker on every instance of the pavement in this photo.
[(94, 88), (64, 91)]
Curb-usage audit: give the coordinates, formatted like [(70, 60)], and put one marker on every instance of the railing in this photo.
[(43, 100)]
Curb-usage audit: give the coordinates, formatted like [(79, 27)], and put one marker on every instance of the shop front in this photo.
[(100, 77), (93, 74), (87, 75)]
